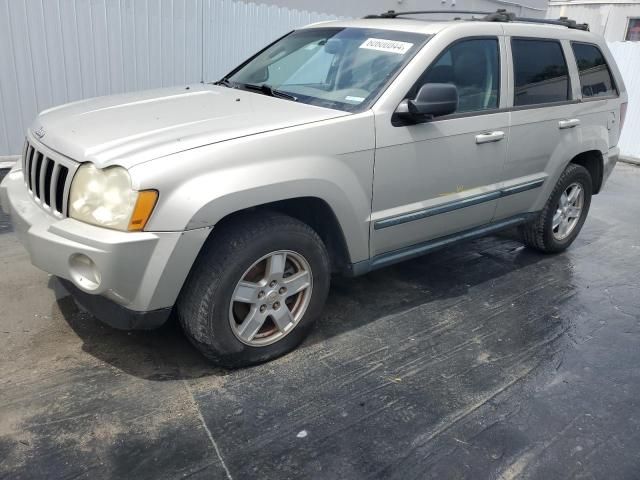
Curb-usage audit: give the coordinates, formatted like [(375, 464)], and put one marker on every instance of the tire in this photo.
[(248, 248), (541, 234)]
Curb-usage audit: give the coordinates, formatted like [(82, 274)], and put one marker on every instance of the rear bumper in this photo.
[(131, 275), (613, 155)]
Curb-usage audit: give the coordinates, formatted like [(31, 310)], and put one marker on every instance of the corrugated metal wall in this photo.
[(58, 51), (228, 41), (359, 8), (627, 55)]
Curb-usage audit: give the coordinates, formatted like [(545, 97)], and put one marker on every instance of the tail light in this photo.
[(623, 114)]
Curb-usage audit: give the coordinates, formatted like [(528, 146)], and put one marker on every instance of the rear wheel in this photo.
[(563, 215), (256, 290)]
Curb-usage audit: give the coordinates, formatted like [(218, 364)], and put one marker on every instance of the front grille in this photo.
[(47, 178)]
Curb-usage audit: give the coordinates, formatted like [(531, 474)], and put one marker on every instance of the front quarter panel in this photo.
[(331, 160)]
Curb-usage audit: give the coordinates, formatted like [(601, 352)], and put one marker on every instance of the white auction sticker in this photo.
[(391, 46)]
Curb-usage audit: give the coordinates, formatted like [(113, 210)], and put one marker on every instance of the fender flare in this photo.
[(344, 193)]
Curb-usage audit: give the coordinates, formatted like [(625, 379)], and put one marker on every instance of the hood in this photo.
[(132, 128)]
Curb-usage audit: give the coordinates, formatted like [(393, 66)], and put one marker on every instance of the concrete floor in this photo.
[(486, 360)]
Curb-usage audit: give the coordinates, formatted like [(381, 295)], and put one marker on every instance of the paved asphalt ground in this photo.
[(482, 361)]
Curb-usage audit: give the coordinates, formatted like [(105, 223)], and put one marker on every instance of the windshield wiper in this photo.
[(268, 90), (224, 82)]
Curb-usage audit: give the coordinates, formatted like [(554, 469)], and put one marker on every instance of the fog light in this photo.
[(84, 272)]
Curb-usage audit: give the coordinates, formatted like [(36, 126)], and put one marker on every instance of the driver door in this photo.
[(440, 177)]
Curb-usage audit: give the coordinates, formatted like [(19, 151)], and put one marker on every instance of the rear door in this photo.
[(544, 126), (599, 110)]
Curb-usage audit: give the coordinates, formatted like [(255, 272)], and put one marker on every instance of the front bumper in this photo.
[(116, 315), (136, 271)]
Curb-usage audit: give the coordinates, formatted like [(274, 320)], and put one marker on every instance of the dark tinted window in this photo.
[(633, 30), (595, 77), (541, 74), (473, 66)]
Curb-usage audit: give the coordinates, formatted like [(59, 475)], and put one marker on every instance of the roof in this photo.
[(397, 24)]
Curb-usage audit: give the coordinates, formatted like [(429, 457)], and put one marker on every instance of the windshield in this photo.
[(341, 68)]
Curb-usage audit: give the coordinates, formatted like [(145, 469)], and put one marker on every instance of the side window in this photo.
[(595, 77), (633, 30), (473, 66), (540, 72)]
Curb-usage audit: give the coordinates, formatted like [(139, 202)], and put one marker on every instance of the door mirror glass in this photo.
[(432, 100), (260, 75)]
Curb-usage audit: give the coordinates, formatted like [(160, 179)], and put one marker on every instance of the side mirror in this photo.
[(333, 46), (432, 100), (260, 75)]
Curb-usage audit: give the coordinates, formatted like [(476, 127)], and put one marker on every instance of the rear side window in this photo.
[(595, 76), (540, 72)]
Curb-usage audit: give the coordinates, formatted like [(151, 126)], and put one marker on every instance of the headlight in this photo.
[(105, 198)]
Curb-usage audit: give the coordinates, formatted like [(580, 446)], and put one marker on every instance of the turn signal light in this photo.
[(142, 212)]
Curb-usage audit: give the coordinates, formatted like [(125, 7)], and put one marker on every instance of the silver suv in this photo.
[(341, 147)]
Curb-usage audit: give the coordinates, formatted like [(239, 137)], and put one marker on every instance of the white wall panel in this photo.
[(234, 30), (607, 19), (58, 51), (359, 8), (627, 55)]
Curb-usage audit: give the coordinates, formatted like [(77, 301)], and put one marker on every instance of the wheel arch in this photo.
[(313, 211), (593, 162), (339, 210)]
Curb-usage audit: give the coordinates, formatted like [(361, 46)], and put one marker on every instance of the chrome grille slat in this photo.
[(65, 195), (54, 188), (25, 150), (48, 176), (41, 173), (27, 170), (34, 168)]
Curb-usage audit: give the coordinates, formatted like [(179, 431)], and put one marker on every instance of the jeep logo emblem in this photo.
[(40, 132)]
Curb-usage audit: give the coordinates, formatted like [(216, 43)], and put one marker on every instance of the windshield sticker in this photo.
[(391, 46), (349, 98)]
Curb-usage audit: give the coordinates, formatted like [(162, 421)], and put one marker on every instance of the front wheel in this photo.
[(563, 215), (256, 290)]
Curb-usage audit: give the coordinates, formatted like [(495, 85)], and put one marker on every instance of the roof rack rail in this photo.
[(500, 15), (394, 14)]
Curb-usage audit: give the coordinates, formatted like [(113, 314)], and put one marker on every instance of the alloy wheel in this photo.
[(568, 211), (271, 298)]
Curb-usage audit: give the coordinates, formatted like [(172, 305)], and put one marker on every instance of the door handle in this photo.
[(573, 122), (490, 137)]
